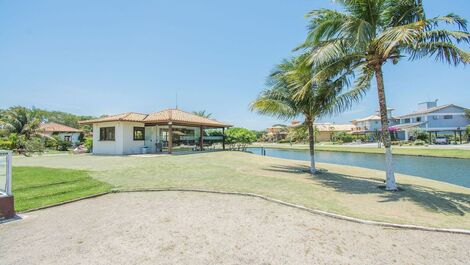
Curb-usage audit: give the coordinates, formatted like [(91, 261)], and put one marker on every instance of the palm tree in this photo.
[(202, 113), (368, 33), (20, 120), (283, 99)]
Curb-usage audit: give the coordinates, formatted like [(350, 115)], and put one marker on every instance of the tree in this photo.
[(21, 120), (202, 113), (291, 92), (239, 138), (368, 33), (467, 113)]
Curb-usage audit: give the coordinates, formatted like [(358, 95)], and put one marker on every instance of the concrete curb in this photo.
[(313, 211), (66, 202)]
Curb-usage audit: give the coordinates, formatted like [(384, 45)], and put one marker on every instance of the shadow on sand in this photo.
[(431, 199)]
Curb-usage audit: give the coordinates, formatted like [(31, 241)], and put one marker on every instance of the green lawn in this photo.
[(425, 151), (37, 186), (346, 190)]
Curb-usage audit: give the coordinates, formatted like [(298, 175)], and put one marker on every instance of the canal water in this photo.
[(451, 170)]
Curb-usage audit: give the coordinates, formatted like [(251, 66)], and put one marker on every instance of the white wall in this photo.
[(123, 144), (129, 145)]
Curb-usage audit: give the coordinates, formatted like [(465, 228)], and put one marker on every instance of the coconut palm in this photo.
[(202, 113), (366, 34), (282, 98), (20, 120)]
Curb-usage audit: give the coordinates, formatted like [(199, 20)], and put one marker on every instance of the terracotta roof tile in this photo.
[(56, 127), (165, 116)]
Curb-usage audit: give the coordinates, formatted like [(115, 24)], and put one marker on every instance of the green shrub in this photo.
[(419, 142), (239, 138), (29, 146), (89, 144), (343, 137), (50, 142), (63, 145), (6, 144)]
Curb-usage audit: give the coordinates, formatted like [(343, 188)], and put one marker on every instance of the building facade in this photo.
[(433, 119), (63, 132), (165, 131)]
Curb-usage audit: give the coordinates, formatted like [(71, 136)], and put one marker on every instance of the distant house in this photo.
[(371, 126), (432, 119), (64, 132), (325, 131), (277, 132)]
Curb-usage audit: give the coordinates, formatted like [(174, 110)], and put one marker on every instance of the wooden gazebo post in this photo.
[(170, 137), (223, 138), (201, 140)]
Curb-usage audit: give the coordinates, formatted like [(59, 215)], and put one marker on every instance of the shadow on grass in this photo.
[(431, 199)]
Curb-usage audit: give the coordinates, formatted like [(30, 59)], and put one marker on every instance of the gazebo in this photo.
[(166, 130)]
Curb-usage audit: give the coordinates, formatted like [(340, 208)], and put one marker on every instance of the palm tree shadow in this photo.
[(428, 198)]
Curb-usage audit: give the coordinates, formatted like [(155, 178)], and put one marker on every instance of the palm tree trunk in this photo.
[(311, 143), (390, 183)]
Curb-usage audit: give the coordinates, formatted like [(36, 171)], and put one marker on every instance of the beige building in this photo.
[(325, 131)]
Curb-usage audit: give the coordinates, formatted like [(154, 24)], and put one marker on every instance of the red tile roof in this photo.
[(56, 127), (174, 116)]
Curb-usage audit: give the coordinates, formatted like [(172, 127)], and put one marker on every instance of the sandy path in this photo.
[(199, 228)]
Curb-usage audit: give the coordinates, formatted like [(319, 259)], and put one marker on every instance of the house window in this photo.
[(418, 119), (406, 121), (107, 134), (139, 133), (435, 117), (448, 117), (67, 138)]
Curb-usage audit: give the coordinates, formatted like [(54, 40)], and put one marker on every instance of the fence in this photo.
[(5, 173)]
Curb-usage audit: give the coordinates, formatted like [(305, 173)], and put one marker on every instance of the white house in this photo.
[(64, 132), (168, 130), (433, 119)]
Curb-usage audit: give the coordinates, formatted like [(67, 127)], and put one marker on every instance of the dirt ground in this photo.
[(201, 228)]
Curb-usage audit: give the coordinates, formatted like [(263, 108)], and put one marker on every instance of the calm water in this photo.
[(451, 170)]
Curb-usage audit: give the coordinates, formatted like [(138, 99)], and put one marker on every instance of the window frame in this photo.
[(448, 117), (142, 129), (103, 132)]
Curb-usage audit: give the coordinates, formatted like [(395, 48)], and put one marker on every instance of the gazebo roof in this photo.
[(174, 116)]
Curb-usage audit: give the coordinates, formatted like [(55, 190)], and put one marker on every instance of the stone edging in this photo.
[(254, 195), (66, 202)]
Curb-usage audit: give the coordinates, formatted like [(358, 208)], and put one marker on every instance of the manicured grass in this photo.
[(346, 190), (450, 153), (38, 186)]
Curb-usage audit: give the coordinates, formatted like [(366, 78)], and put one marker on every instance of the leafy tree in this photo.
[(239, 138), (21, 120), (292, 92), (467, 113), (202, 113), (365, 34), (64, 118)]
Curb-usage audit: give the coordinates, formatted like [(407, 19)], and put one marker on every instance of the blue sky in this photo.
[(107, 57)]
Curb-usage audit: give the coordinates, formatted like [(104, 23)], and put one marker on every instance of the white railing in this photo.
[(5, 173)]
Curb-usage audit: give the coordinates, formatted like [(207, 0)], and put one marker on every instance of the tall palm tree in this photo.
[(366, 34), (283, 99), (20, 120), (202, 113)]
